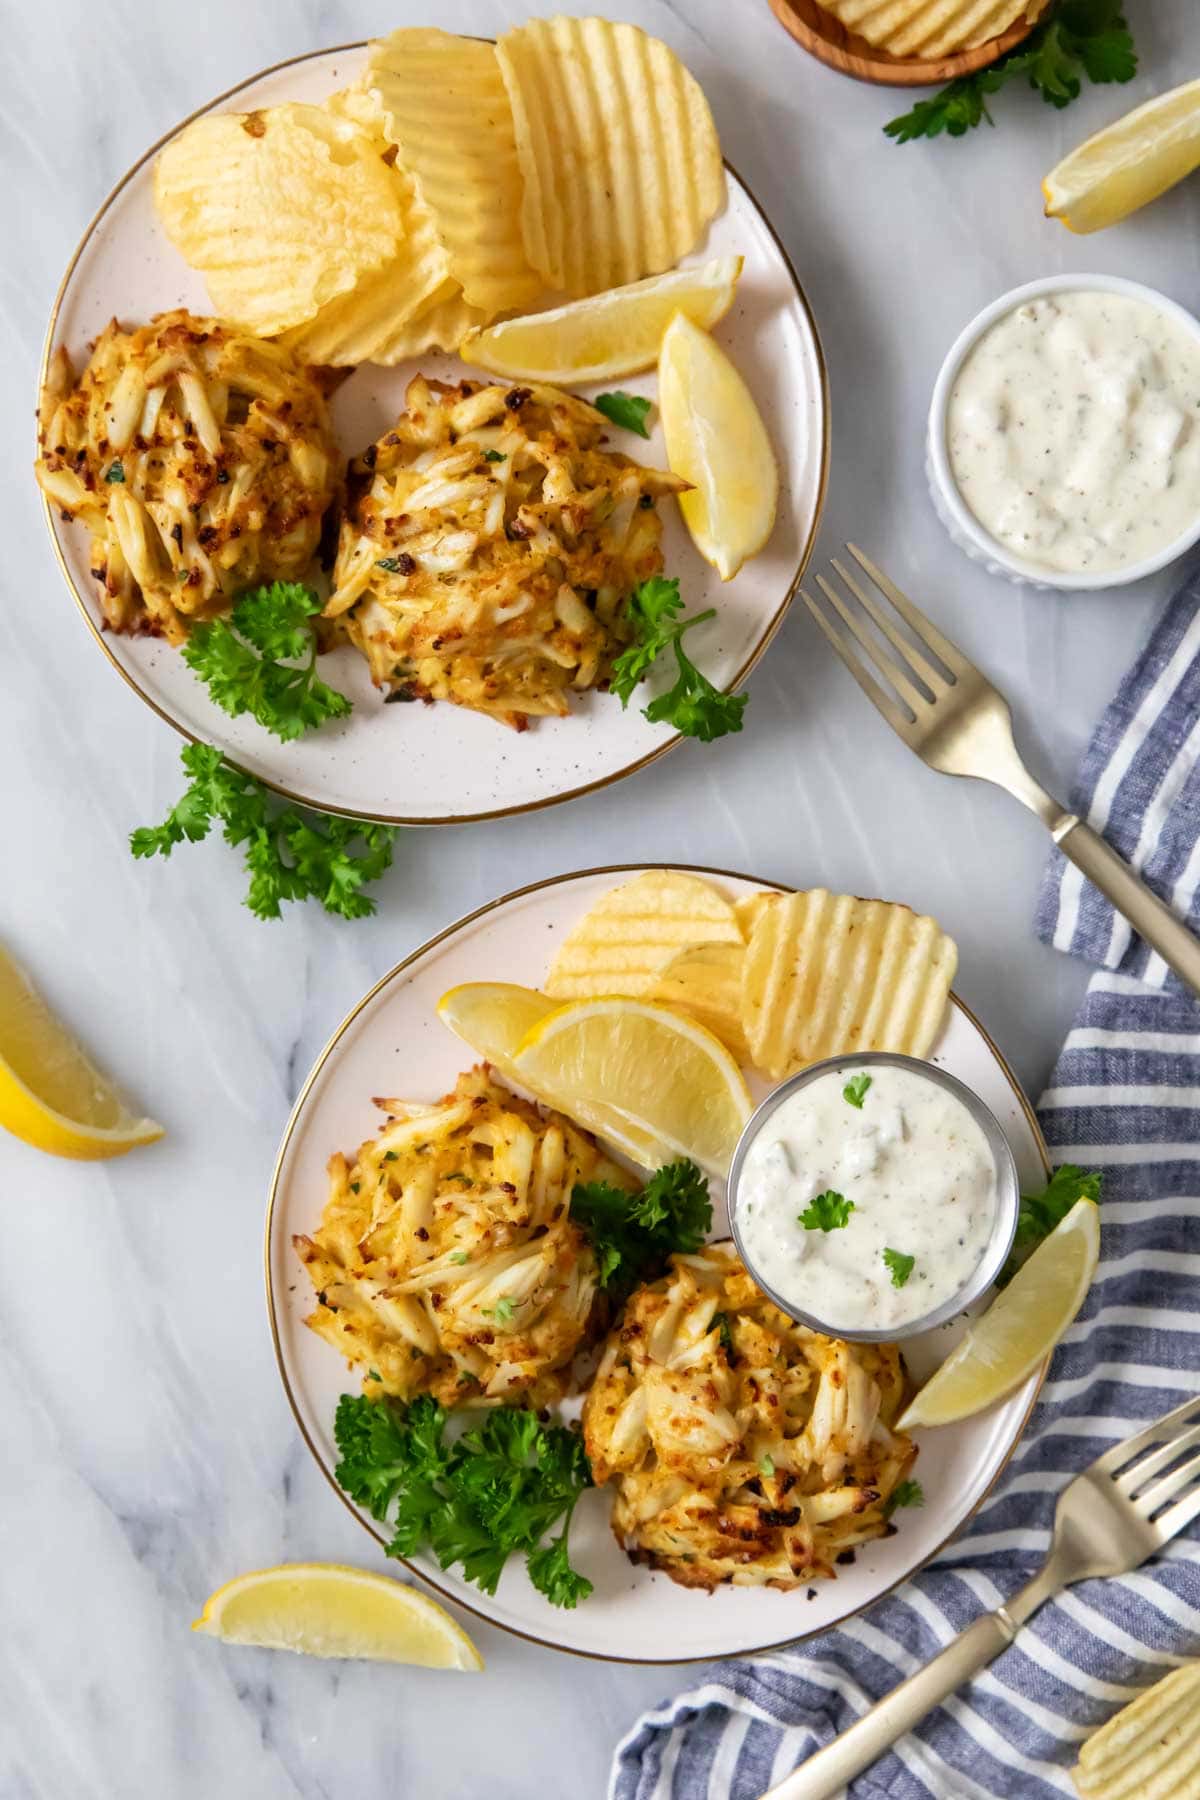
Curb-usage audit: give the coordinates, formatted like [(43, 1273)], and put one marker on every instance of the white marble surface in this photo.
[(149, 1454)]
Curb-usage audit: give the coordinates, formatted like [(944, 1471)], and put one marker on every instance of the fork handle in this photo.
[(1150, 917), (900, 1711)]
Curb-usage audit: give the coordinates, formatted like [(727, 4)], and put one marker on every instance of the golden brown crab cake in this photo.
[(446, 1261), (200, 457), (742, 1446), (489, 547)]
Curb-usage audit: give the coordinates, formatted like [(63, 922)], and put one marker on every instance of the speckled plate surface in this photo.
[(440, 764), (394, 1043)]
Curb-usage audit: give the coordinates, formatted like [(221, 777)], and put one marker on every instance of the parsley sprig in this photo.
[(1040, 1213), (493, 1493), (629, 411), (905, 1493), (855, 1090), (1076, 39), (829, 1211), (261, 660), (289, 854), (693, 706), (631, 1233), (899, 1266)]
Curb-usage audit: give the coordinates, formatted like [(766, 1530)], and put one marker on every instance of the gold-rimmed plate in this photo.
[(394, 1043), (441, 764)]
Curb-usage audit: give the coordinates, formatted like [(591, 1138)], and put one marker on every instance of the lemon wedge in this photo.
[(661, 1072), (494, 1017), (327, 1609), (716, 440), (616, 333), (1127, 164), (1019, 1329), (51, 1095)]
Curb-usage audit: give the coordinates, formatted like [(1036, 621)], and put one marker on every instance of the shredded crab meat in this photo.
[(742, 1447), (446, 1261), (200, 458), (489, 546)]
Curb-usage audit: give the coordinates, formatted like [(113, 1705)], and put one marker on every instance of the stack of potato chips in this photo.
[(458, 180)]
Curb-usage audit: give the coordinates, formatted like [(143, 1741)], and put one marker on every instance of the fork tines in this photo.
[(1158, 1471), (907, 661)]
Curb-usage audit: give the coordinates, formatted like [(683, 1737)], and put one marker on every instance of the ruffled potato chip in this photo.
[(617, 148), (441, 324), (281, 211), (930, 27), (826, 975), (623, 943), (360, 107), (378, 312), (749, 908), (705, 981), (1150, 1750), (448, 113)]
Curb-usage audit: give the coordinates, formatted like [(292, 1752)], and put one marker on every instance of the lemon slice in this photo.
[(662, 1072), (1020, 1327), (493, 1017), (51, 1095), (716, 440), (1127, 164), (616, 333), (326, 1609)]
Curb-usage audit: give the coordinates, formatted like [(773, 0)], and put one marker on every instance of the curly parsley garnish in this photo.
[(632, 1233), (693, 706), (827, 1212), (629, 411), (493, 1493), (290, 854), (1040, 1213), (1076, 39), (262, 660)]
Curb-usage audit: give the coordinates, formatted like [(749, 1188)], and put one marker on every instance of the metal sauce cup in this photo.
[(1004, 1224)]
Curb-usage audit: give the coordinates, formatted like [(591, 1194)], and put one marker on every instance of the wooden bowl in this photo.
[(826, 38)]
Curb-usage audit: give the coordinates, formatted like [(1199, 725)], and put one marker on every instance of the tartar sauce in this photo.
[(1073, 430), (835, 1199)]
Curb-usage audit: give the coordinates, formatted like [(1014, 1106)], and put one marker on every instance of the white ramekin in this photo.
[(960, 522)]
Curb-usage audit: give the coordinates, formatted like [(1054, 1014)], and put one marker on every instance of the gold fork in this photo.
[(1120, 1510), (946, 710)]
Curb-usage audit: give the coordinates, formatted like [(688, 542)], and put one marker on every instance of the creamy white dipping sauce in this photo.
[(1073, 430), (915, 1168)]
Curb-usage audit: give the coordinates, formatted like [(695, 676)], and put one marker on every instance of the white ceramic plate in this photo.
[(441, 764), (393, 1043)]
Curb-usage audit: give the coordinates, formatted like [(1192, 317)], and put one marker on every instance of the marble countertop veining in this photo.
[(150, 1454)]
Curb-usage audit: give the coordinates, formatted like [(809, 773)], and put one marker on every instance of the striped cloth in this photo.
[(1125, 1098), (1140, 786)]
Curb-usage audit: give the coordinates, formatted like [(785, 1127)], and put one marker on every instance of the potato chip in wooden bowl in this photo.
[(908, 43)]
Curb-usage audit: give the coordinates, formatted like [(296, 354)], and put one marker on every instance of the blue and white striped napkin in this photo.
[(1125, 1098)]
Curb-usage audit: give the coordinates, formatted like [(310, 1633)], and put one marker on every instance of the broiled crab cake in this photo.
[(742, 1447), (200, 457), (489, 546), (446, 1261)]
